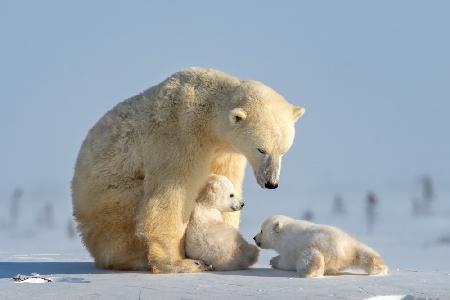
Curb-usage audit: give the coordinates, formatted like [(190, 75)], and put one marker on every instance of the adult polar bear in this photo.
[(142, 165)]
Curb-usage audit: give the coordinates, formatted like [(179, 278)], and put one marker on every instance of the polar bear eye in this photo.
[(231, 195), (262, 151)]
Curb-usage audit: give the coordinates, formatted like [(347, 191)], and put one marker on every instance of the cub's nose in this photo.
[(254, 238), (270, 185), (242, 204)]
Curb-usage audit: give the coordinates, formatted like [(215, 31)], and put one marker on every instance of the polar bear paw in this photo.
[(275, 261), (181, 266)]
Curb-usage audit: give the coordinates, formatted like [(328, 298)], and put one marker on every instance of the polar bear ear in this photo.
[(215, 187), (237, 115), (298, 112), (277, 226)]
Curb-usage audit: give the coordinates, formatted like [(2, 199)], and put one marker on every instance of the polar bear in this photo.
[(315, 250), (142, 165), (209, 238)]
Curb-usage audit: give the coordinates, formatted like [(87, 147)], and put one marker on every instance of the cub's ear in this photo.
[(215, 186), (297, 112), (237, 115), (277, 226)]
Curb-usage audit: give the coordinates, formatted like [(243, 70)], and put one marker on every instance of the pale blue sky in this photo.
[(374, 78)]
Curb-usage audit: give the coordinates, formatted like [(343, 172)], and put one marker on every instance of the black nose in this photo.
[(254, 238), (270, 185), (242, 205)]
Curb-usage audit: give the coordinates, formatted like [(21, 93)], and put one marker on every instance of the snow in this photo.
[(415, 249), (75, 280)]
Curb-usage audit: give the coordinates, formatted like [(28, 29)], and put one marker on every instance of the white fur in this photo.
[(314, 249), (209, 238)]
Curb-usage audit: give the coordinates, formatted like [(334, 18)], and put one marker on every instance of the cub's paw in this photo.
[(194, 265), (202, 266), (274, 261)]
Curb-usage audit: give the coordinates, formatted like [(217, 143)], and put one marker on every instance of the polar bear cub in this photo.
[(209, 238), (315, 250)]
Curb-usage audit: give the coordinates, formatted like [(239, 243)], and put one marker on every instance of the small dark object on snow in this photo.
[(20, 278)]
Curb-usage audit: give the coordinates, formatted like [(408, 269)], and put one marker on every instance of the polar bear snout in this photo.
[(268, 172), (257, 239), (270, 185), (237, 206)]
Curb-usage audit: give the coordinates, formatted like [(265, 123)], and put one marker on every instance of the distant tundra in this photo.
[(142, 166)]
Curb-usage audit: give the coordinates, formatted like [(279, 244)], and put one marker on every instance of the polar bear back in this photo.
[(331, 241)]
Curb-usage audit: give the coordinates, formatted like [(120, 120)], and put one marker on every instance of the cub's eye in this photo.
[(262, 151), (231, 195)]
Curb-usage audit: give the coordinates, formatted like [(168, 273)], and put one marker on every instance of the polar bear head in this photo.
[(260, 125), (220, 194), (271, 228)]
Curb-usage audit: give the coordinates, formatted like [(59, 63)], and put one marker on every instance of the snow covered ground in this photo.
[(416, 249), (78, 280)]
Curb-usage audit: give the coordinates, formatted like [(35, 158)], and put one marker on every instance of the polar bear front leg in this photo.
[(282, 263), (231, 165), (310, 263), (274, 262), (162, 222)]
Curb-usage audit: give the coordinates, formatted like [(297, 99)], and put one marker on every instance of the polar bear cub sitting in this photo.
[(209, 238), (315, 250)]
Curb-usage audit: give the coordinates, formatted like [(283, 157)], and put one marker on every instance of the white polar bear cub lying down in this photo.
[(315, 250), (209, 238)]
